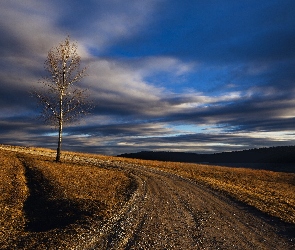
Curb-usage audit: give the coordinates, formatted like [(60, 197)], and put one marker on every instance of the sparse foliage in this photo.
[(62, 101)]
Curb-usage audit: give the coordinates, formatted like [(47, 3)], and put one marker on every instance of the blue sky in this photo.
[(194, 76)]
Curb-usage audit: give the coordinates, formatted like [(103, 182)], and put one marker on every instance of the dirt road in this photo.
[(169, 212)]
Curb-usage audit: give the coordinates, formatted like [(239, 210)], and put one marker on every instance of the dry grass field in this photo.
[(38, 195), (13, 193)]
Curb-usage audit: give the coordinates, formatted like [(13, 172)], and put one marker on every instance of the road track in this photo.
[(170, 212)]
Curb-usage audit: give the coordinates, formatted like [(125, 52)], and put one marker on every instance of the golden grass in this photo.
[(13, 193), (92, 184), (92, 191)]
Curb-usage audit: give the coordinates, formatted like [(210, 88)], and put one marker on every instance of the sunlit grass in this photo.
[(13, 193), (91, 184), (89, 190)]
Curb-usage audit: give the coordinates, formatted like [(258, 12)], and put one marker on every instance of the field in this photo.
[(38, 195), (40, 198)]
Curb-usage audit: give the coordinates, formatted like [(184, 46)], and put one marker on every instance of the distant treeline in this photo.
[(283, 154)]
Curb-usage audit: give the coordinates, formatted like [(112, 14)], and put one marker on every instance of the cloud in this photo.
[(28, 28), (155, 68), (153, 65), (121, 87), (99, 24)]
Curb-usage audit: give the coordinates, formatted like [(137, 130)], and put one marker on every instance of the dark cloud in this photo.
[(203, 76)]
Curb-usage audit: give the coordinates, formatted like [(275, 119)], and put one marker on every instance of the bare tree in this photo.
[(60, 99)]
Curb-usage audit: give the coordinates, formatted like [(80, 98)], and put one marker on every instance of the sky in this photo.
[(199, 76)]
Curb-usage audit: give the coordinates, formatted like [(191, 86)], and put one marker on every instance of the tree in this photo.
[(61, 101)]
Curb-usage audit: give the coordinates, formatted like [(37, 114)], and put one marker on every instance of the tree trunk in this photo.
[(59, 142), (60, 127)]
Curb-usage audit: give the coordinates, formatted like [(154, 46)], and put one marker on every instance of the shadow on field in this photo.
[(43, 210)]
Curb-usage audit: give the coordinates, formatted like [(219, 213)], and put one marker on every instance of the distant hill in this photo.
[(272, 155)]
